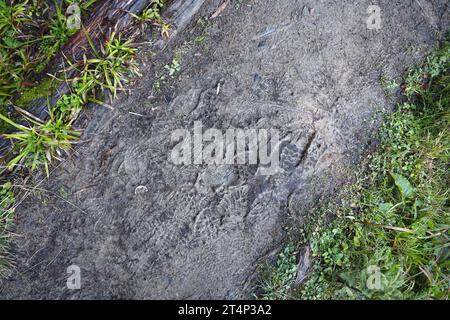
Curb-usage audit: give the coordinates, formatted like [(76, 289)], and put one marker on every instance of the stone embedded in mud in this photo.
[(141, 190)]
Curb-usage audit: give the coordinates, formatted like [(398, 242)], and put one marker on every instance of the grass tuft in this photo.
[(7, 200)]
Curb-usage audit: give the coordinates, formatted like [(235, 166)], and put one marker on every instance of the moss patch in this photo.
[(46, 88)]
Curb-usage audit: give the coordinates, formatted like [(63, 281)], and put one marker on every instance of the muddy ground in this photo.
[(310, 69)]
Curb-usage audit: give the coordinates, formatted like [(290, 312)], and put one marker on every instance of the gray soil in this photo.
[(310, 69)]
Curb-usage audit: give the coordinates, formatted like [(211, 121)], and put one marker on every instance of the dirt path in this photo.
[(308, 69)]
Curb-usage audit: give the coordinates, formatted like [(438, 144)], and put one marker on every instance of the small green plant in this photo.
[(31, 33), (83, 5), (56, 38), (152, 14), (44, 89), (7, 200), (173, 67), (12, 17), (69, 106), (200, 40), (238, 3), (38, 144), (277, 280), (109, 69), (389, 84)]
